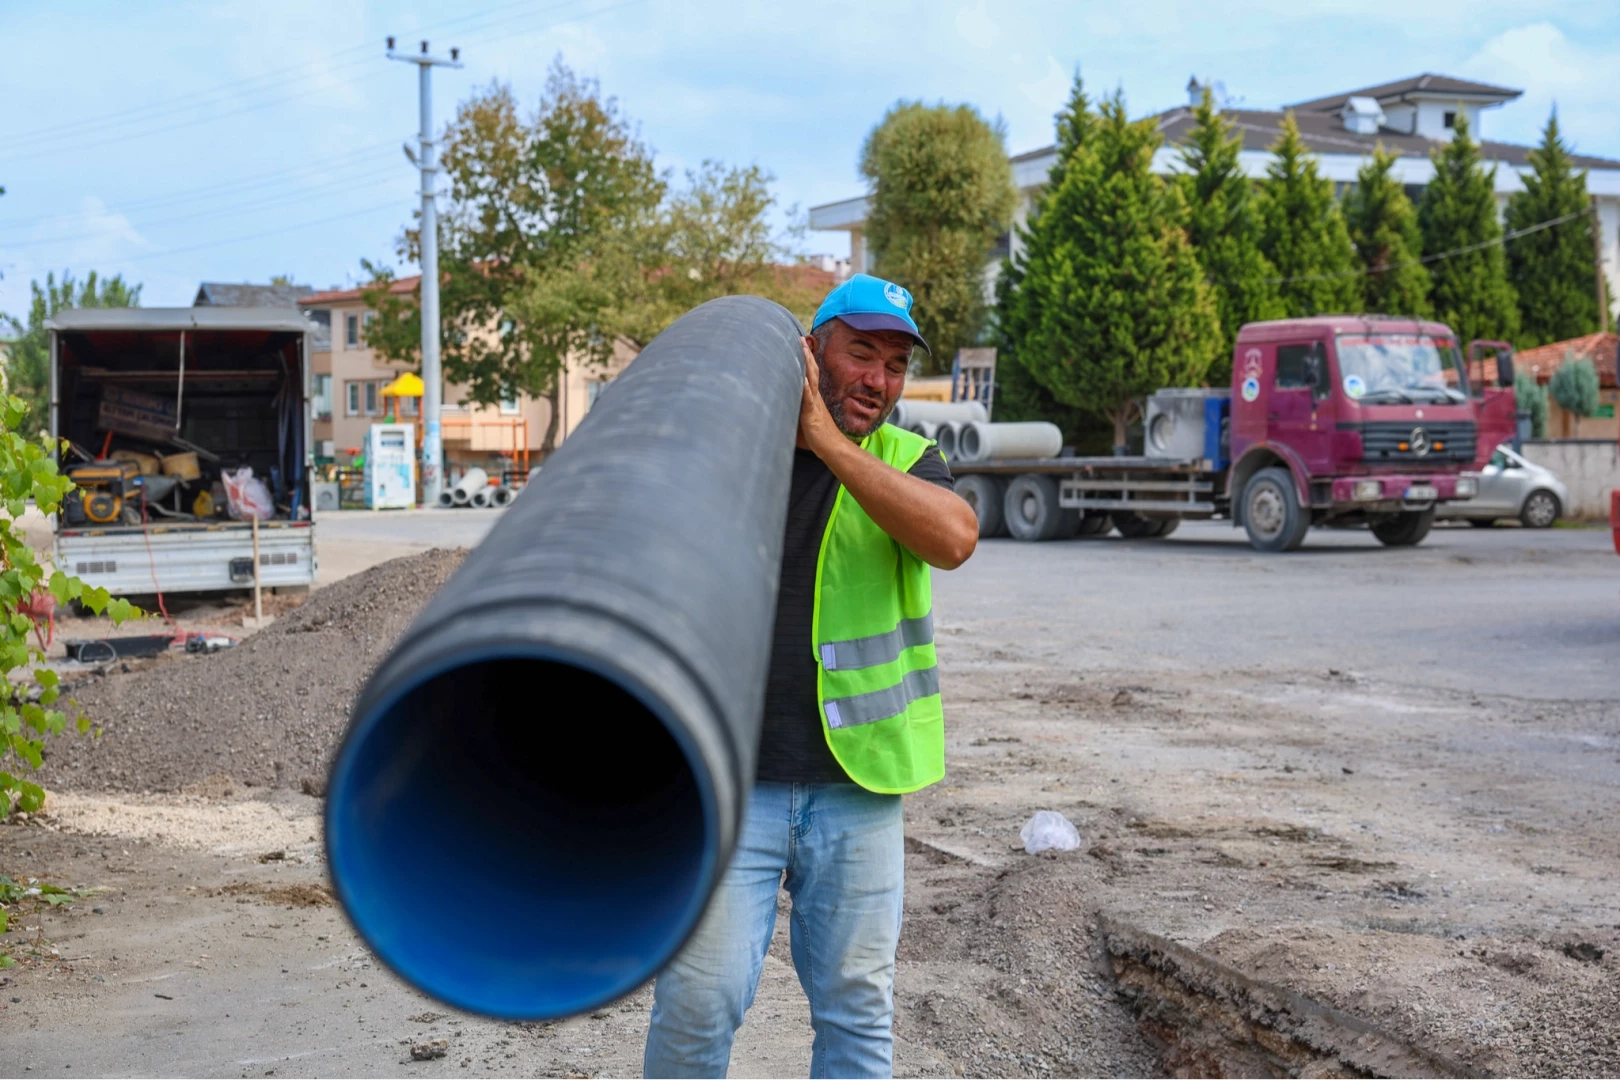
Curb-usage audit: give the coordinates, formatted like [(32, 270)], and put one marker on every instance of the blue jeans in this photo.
[(842, 851)]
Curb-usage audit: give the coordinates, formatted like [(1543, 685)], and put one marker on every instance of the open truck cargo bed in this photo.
[(220, 387)]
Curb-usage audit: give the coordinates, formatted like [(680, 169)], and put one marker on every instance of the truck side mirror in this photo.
[(1504, 369), (1315, 374)]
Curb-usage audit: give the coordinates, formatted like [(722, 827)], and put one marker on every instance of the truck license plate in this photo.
[(1421, 492)]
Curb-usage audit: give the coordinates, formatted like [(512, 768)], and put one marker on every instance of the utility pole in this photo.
[(432, 377), (1597, 265)]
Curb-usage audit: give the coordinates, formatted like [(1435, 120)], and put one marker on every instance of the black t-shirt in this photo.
[(792, 747)]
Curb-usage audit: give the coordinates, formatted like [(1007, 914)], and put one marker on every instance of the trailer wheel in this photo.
[(1167, 526), (1272, 515), (1133, 526), (986, 495), (1094, 523), (1405, 529), (1031, 508)]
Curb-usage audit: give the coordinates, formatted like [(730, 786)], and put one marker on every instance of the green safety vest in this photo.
[(877, 680)]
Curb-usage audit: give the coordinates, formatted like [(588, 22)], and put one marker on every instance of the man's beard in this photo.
[(835, 406)]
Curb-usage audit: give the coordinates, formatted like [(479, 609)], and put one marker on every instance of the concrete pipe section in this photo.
[(568, 731), (470, 483), (908, 411), (991, 442)]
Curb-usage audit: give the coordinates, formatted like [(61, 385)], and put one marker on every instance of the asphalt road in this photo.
[(1532, 613), (1509, 611)]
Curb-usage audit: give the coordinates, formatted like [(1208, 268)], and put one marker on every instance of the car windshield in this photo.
[(1408, 368)]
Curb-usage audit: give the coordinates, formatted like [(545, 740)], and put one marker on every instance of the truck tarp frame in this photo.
[(93, 320)]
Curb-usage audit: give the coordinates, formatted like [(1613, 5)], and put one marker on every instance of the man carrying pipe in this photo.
[(852, 712)]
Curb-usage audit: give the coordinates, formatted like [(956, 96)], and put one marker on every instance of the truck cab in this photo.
[(1348, 419)]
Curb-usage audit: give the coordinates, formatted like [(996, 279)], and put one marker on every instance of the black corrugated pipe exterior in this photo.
[(563, 741)]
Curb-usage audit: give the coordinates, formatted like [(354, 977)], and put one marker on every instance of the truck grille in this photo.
[(1416, 440)]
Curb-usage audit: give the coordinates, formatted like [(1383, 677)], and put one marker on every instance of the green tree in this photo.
[(1457, 219), (545, 212), (942, 191), (1303, 233), (561, 238), (1575, 387), (1384, 232), (28, 716), (1530, 397), (28, 365), (1224, 228), (1110, 302), (714, 238), (1552, 270)]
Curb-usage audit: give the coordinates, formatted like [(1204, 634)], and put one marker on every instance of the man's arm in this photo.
[(936, 525)]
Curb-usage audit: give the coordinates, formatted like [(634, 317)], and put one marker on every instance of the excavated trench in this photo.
[(1208, 1019)]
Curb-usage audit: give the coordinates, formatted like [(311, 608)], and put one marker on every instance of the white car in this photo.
[(1512, 486)]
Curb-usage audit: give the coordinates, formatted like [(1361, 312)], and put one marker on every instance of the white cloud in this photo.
[(974, 23), (1551, 69)]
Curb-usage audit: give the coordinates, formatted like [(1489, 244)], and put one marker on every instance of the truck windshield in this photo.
[(1409, 368)]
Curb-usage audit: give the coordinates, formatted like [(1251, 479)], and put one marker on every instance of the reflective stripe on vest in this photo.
[(879, 648), (882, 704)]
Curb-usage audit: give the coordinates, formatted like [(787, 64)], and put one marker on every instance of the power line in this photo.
[(206, 96), (391, 204), (342, 184), (498, 28), (1511, 234), (273, 178)]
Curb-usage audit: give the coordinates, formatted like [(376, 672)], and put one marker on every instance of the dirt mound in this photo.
[(267, 712)]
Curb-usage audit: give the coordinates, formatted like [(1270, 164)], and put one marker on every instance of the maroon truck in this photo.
[(1338, 420)]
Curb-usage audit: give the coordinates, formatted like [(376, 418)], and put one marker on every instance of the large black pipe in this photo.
[(543, 781)]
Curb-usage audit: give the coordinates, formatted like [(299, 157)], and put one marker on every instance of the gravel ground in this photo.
[(1342, 791), (266, 713)]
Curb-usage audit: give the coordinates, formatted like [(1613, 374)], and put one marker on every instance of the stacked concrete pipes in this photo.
[(568, 731), (938, 420), (474, 489), (964, 432)]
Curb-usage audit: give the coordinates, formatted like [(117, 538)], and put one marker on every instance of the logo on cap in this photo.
[(897, 296)]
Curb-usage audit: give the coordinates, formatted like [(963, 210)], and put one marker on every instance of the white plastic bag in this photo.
[(246, 496), (1049, 830)]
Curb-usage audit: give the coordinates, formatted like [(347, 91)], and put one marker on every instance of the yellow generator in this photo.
[(106, 489)]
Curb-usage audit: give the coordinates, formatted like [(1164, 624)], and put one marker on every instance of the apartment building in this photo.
[(350, 377)]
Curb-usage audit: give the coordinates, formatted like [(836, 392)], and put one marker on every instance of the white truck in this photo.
[(157, 405)]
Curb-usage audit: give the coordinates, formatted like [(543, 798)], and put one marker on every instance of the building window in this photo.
[(509, 406), (353, 391), (322, 402), (371, 399), (409, 406), (1450, 120), (351, 331), (593, 390)]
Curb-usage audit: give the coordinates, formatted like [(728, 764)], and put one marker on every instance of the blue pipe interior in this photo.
[(521, 837)]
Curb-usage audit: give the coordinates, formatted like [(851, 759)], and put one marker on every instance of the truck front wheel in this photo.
[(1031, 508), (1404, 529), (1272, 515), (986, 495)]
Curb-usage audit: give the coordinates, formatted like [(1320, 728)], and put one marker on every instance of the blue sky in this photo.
[(230, 141)]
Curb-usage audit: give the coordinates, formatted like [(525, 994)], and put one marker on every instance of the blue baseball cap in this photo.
[(870, 303)]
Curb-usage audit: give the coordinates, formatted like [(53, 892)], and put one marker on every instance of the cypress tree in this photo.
[(1552, 270), (1111, 303), (1530, 397), (1470, 289), (1224, 228), (1302, 232), (1384, 232), (1018, 396), (942, 191), (1574, 385)]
